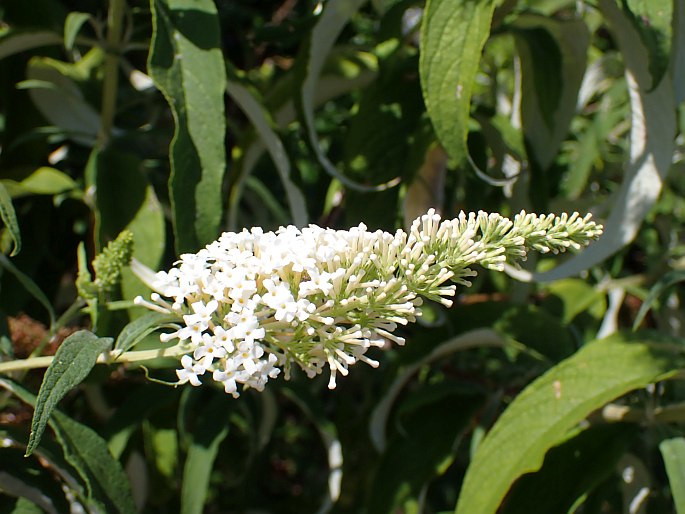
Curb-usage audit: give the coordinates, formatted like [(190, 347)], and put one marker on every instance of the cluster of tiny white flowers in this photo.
[(254, 302)]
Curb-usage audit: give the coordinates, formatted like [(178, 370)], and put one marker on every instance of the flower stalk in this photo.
[(255, 304)]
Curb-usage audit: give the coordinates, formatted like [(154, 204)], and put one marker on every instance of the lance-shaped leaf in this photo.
[(453, 33), (212, 428), (673, 453), (74, 359), (186, 65), (541, 416), (107, 488), (9, 218), (332, 20), (137, 329), (254, 109)]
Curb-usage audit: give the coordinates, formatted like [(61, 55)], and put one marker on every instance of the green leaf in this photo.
[(453, 33), (9, 218), (72, 26), (22, 505), (137, 329), (430, 422), (653, 128), (73, 361), (254, 109), (186, 65), (105, 479), (107, 487), (149, 239), (212, 428), (43, 181), (652, 19), (571, 470), (541, 416), (673, 453)]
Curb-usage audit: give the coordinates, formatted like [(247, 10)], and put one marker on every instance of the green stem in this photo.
[(112, 357), (111, 75)]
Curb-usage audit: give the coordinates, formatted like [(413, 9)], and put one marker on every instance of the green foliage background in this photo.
[(550, 389)]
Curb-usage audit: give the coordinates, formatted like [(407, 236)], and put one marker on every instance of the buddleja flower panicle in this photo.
[(255, 304)]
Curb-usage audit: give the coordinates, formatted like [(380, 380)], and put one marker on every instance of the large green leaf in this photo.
[(453, 33), (108, 489), (73, 361), (571, 470), (187, 66), (541, 416)]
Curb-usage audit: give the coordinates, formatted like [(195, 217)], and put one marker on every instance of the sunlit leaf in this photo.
[(555, 403), (73, 361), (43, 181), (653, 19), (187, 66), (453, 33)]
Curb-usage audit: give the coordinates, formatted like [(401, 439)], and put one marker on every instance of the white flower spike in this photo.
[(254, 303)]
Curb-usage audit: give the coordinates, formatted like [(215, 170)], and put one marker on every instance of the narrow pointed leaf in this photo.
[(212, 428), (555, 403), (453, 33), (332, 20), (260, 118), (73, 361), (9, 218), (132, 333), (187, 66), (673, 453), (107, 487)]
